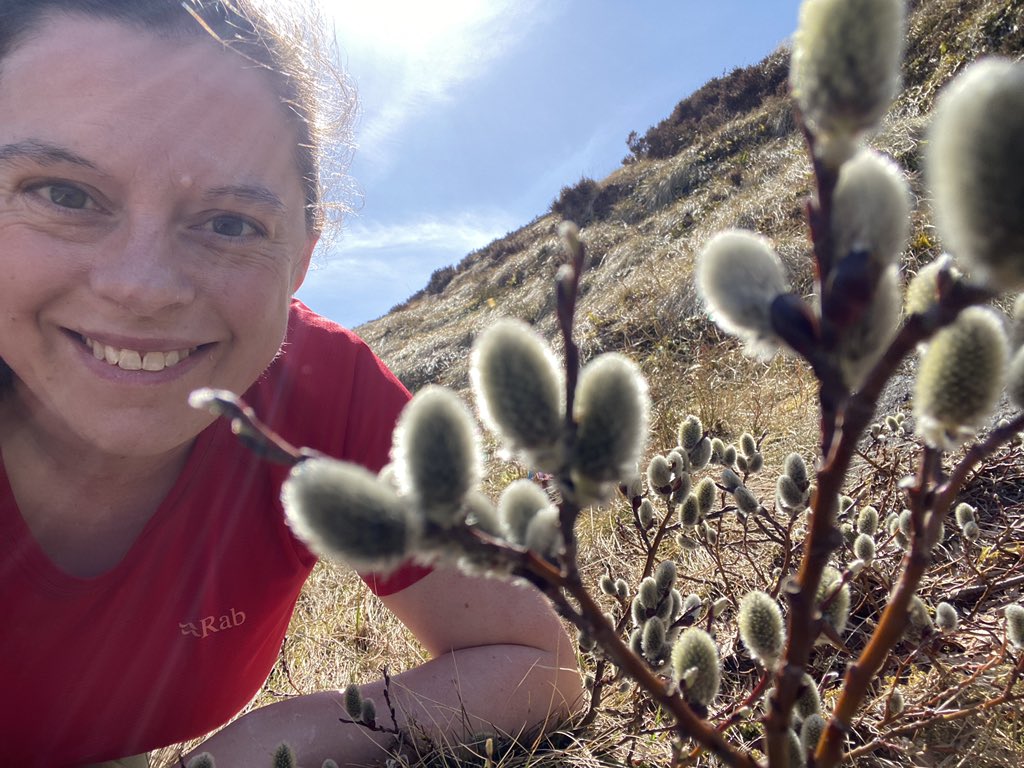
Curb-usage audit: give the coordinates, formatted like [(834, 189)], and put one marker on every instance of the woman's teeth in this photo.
[(130, 360)]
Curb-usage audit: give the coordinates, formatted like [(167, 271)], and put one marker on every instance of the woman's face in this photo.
[(151, 230)]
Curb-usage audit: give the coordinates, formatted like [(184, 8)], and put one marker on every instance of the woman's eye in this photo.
[(66, 195), (232, 226)]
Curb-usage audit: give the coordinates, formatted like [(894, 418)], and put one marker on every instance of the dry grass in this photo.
[(329, 646)]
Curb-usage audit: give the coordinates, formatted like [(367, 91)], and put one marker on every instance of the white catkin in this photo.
[(761, 627), (695, 650), (436, 452), (518, 504), (344, 511), (739, 275), (518, 388), (871, 209), (845, 67), (922, 290), (960, 377), (972, 163), (611, 412), (862, 343)]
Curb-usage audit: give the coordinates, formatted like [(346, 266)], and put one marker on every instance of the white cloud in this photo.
[(374, 266), (462, 232), (408, 55)]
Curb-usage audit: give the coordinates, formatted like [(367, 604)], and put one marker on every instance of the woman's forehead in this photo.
[(101, 87)]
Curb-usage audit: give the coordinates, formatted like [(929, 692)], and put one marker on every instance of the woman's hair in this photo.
[(274, 36)]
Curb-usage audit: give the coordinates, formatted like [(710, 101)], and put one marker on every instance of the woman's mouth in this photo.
[(136, 360)]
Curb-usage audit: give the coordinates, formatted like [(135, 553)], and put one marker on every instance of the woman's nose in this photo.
[(142, 271)]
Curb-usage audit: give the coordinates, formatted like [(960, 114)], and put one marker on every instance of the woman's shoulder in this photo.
[(316, 346), (327, 390)]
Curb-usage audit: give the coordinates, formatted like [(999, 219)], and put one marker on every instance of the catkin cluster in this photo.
[(843, 75), (426, 501), (657, 610)]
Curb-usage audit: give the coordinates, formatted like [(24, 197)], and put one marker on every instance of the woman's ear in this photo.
[(301, 266)]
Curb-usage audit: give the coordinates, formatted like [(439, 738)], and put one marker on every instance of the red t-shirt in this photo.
[(178, 636)]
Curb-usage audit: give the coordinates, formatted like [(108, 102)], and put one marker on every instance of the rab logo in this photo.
[(212, 624)]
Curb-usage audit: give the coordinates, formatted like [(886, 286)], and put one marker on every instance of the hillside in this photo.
[(729, 155)]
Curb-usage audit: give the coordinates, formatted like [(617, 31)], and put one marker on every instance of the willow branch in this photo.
[(894, 618)]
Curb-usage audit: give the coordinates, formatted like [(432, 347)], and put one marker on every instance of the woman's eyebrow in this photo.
[(46, 153), (43, 153), (251, 193)]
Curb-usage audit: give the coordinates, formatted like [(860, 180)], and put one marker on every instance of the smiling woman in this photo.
[(152, 245)]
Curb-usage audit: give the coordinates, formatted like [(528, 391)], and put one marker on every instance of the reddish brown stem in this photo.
[(894, 618), (688, 725)]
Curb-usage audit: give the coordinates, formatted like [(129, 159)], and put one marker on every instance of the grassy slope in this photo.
[(749, 171)]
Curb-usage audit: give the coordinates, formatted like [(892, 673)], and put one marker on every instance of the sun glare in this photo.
[(403, 28)]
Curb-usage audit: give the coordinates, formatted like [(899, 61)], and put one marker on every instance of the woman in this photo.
[(159, 202)]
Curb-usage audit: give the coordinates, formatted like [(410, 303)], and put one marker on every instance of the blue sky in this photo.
[(475, 113)]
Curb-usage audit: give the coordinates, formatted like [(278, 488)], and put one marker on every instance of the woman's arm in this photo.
[(501, 661)]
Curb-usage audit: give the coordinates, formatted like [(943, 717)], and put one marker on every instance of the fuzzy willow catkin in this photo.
[(1015, 379), (543, 535), (896, 702), (690, 432), (436, 453), (706, 493), (837, 612), (611, 417), (810, 732), (760, 623), (689, 513), (739, 275), (845, 67), (923, 288), (973, 161), (797, 758), (665, 576), (659, 474), (864, 547), (353, 699), (963, 513), (808, 702), (946, 617), (960, 377), (871, 209), (729, 456), (482, 514), (283, 757), (1015, 625), (971, 531), (867, 521), (788, 494), (695, 663), (344, 511), (518, 388), (796, 468), (518, 504), (746, 501), (700, 455), (677, 463), (652, 639), (864, 341)]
